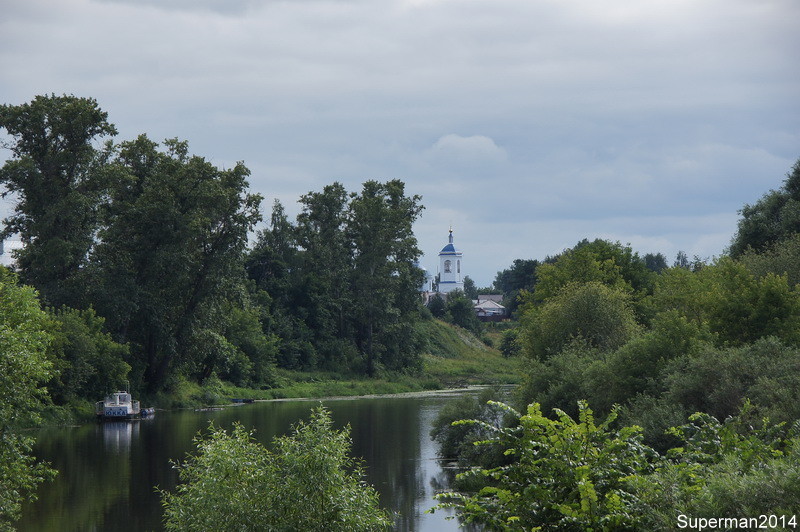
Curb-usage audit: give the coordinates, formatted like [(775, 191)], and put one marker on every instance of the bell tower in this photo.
[(450, 267)]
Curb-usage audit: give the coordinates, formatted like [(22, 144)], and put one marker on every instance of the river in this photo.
[(108, 471)]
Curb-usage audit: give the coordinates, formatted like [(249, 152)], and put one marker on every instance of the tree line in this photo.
[(139, 251)]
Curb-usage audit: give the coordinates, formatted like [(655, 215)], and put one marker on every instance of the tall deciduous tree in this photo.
[(385, 279), (56, 175), (325, 277), (171, 252)]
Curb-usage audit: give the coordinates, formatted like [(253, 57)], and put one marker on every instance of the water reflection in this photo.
[(108, 470), (118, 435)]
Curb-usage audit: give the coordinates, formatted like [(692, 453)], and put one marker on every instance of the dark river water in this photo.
[(108, 472)]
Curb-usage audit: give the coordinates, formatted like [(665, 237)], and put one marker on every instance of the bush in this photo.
[(566, 475), (307, 483), (600, 315), (457, 441)]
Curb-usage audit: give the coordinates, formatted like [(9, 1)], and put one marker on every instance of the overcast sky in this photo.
[(527, 125)]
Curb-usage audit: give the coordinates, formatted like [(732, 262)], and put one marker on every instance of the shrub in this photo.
[(307, 483)]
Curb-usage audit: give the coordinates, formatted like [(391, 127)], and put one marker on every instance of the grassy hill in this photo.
[(456, 357)]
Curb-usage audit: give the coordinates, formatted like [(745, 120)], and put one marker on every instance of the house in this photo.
[(488, 307)]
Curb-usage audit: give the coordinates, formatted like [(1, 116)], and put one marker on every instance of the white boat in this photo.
[(118, 405)]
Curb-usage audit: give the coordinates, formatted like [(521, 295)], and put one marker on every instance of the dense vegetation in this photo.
[(694, 368)]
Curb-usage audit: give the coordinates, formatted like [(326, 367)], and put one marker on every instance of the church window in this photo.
[(447, 266), (458, 266)]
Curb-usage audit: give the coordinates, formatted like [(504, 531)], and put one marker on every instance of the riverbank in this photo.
[(454, 358)]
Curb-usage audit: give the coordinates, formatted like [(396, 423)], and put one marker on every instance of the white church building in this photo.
[(450, 268)]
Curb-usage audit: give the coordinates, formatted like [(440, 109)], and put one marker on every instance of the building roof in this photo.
[(497, 298), (487, 305)]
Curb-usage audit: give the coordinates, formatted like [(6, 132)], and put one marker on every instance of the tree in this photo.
[(771, 219), (326, 271), (56, 174), (609, 263), (276, 266), (735, 305), (437, 306), (385, 278), (598, 314), (511, 281), (308, 482), (470, 290), (171, 253), (24, 368), (460, 311), (89, 363), (655, 262), (779, 258)]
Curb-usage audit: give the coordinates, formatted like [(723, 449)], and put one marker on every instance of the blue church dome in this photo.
[(450, 249)]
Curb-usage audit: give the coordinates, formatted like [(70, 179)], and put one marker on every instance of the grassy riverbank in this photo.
[(454, 358)]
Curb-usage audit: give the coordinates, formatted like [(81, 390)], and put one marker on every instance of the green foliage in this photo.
[(89, 363), (437, 306), (638, 367), (577, 475), (171, 253), (595, 312), (774, 217), (460, 311), (308, 482), (470, 290), (611, 264), (385, 278), (56, 175), (24, 368), (719, 380), (342, 280), (521, 276), (735, 305), (244, 332), (737, 468), (779, 258), (457, 440), (566, 474), (509, 344)]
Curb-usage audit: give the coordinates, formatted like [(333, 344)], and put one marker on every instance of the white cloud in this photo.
[(453, 149)]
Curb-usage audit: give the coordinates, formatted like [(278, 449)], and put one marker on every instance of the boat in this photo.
[(118, 405)]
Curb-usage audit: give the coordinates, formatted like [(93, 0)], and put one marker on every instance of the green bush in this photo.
[(307, 483), (566, 474)]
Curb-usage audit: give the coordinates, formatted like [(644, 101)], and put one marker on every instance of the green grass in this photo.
[(456, 357)]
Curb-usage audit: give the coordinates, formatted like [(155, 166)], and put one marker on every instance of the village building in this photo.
[(488, 307)]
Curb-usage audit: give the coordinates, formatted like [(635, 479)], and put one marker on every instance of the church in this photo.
[(450, 267)]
